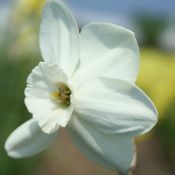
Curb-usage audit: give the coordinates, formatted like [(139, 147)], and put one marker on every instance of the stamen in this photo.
[(62, 95)]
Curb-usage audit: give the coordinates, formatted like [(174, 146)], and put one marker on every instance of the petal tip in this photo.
[(9, 149), (13, 154)]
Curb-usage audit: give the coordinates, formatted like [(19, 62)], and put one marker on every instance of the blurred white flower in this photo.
[(85, 84)]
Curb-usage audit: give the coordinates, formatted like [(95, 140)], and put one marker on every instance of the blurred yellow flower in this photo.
[(25, 18), (28, 7), (157, 77)]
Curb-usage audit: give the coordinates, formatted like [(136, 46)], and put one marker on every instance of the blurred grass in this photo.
[(12, 109), (165, 132)]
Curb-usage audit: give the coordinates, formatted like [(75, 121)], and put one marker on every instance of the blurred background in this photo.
[(154, 25)]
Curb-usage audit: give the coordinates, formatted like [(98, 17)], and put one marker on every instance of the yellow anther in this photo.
[(56, 95)]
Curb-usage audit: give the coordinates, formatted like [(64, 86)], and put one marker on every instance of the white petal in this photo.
[(116, 106), (41, 83), (59, 36), (108, 149), (107, 49), (27, 140)]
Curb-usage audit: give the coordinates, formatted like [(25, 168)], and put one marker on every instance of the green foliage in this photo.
[(166, 130), (13, 112), (151, 26)]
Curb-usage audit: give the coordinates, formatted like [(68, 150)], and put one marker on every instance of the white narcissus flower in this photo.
[(85, 84)]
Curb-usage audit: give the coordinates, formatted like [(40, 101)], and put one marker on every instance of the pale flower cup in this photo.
[(86, 84)]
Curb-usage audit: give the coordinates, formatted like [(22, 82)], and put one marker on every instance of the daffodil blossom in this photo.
[(87, 85)]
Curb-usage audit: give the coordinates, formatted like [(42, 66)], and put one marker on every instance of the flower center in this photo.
[(62, 95)]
